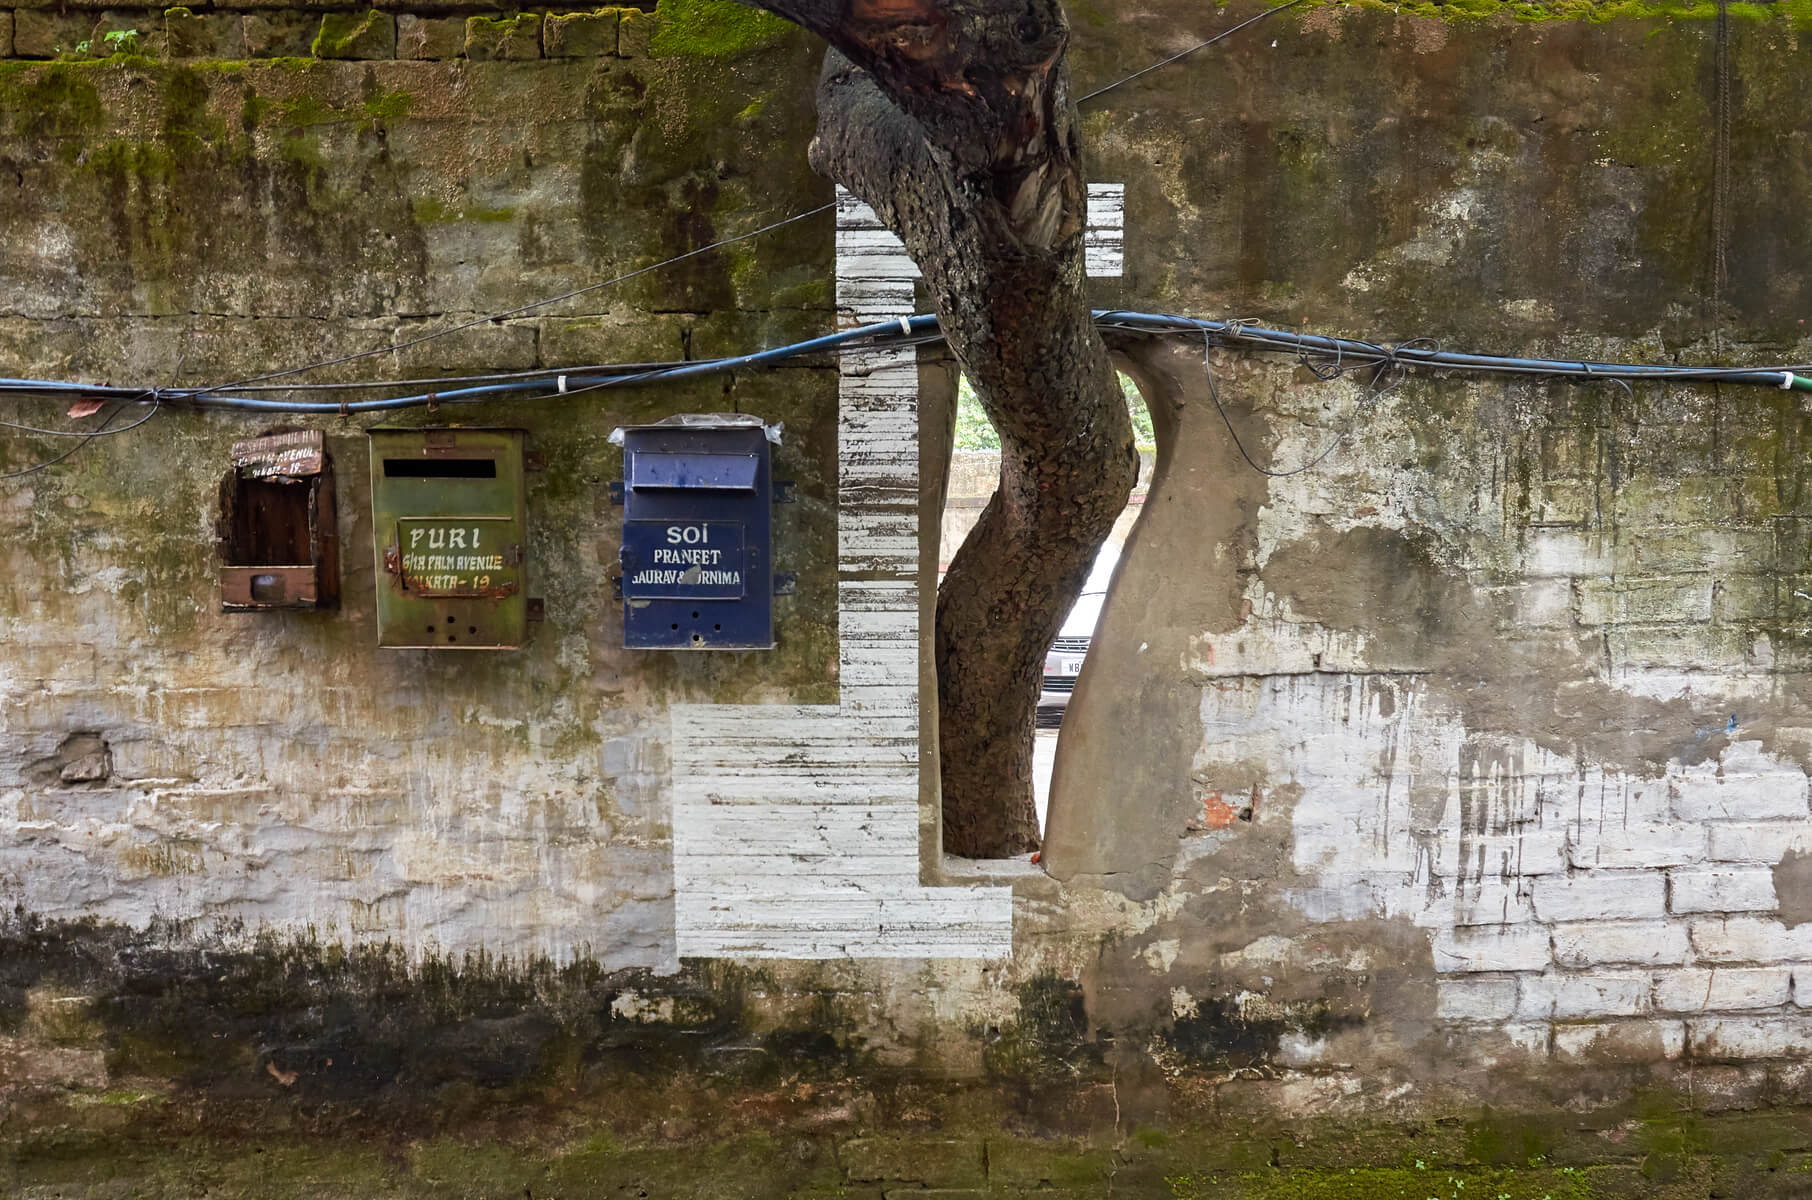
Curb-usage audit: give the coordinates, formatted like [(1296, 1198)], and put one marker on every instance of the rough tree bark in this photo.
[(953, 120)]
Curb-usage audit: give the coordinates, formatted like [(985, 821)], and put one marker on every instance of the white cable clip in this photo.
[(563, 385), (1786, 381), (906, 326)]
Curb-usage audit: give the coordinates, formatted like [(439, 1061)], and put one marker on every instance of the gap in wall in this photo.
[(974, 468)]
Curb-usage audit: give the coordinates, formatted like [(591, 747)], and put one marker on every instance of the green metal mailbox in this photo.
[(450, 526)]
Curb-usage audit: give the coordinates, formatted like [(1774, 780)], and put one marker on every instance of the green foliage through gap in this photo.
[(973, 432)]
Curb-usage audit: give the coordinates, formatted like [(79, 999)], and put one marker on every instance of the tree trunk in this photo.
[(953, 120)]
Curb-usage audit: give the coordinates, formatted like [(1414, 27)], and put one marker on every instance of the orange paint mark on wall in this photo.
[(1217, 812)]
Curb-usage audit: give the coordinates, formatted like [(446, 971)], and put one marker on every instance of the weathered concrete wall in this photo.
[(1449, 772), (215, 213), (1486, 741)]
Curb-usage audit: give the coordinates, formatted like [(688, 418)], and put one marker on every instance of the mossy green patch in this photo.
[(430, 210), (343, 34), (1415, 1182), (389, 106), (115, 1098), (1501, 1139), (503, 26), (303, 151), (713, 29), (1598, 12), (55, 102)]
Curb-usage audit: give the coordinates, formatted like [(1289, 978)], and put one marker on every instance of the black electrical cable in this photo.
[(492, 377), (100, 431), (717, 245), (1270, 12), (1389, 363)]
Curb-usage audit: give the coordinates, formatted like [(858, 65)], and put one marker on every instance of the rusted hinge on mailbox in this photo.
[(512, 554)]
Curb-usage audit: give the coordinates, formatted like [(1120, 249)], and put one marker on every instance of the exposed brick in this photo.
[(1600, 895), (1545, 603), (1644, 601), (1713, 794), (1492, 948), (515, 37), (279, 34), (1731, 552), (1635, 1041), (1591, 994), (1490, 902), (510, 347), (1017, 1163), (430, 37), (363, 35), (1696, 989), (1750, 939), (635, 35), (1562, 502), (27, 1066), (1569, 453), (1657, 845), (204, 35), (1743, 598), (1679, 647), (1731, 889), (930, 1162), (1592, 943), (1538, 852), (1761, 842), (1565, 552), (1751, 1037), (581, 35), (48, 34), (1463, 999)]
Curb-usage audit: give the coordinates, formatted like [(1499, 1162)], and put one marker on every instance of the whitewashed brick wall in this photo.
[(1581, 905)]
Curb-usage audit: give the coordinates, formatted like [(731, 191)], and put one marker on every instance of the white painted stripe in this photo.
[(1104, 240)]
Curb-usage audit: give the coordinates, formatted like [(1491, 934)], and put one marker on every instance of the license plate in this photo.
[(1072, 666)]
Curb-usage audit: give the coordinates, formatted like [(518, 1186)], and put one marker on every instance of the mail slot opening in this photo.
[(714, 472), (440, 468), (449, 530), (278, 544)]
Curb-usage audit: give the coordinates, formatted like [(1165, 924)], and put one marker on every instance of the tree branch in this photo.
[(869, 146), (953, 120), (977, 75)]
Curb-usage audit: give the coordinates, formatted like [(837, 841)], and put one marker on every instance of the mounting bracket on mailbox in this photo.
[(698, 569)]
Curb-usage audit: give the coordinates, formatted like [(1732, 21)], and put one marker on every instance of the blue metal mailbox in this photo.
[(698, 571)]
